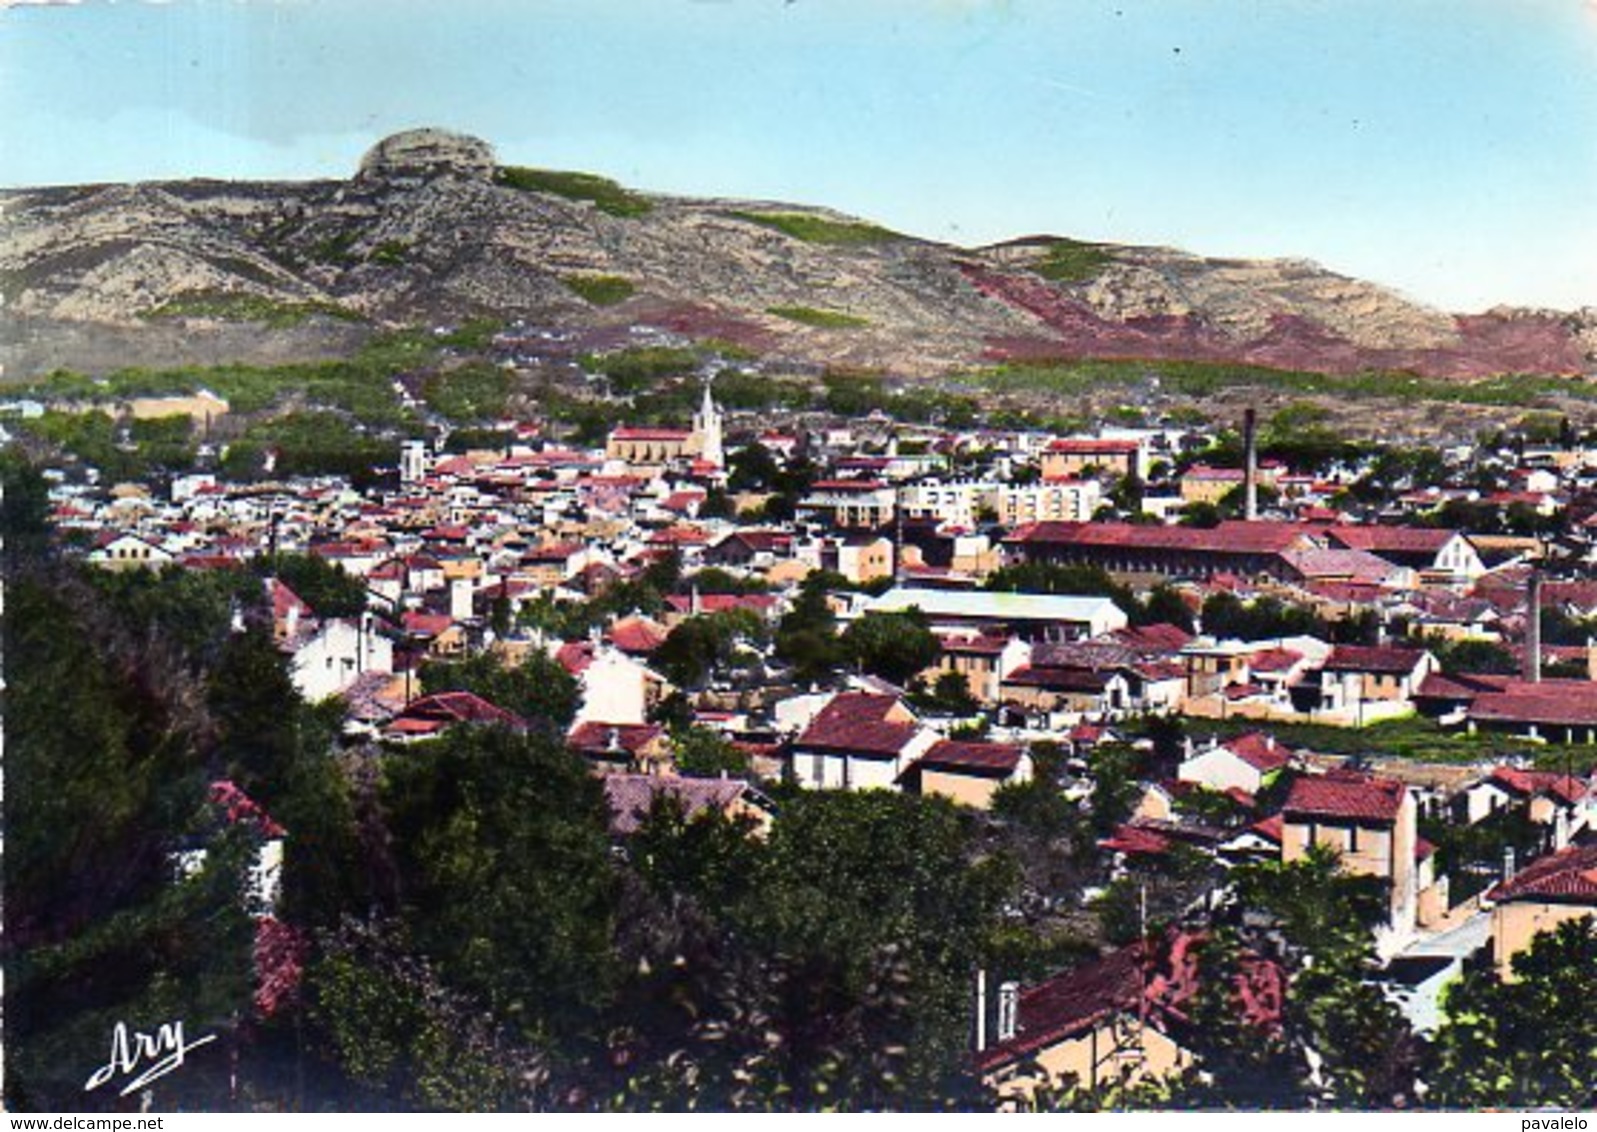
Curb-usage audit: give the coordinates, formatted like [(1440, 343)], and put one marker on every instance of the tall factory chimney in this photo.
[(1250, 466), (1533, 627)]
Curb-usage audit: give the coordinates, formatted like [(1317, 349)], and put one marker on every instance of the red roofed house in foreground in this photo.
[(632, 796), (969, 773), (1117, 1020), (1555, 889), (1086, 1024), (859, 740), (430, 716), (1372, 823), (634, 748)]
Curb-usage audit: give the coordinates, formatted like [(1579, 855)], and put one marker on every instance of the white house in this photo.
[(130, 552), (1034, 616), (328, 658), (859, 741), (1243, 763), (615, 687)]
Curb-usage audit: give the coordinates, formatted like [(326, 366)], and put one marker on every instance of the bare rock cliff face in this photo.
[(430, 229)]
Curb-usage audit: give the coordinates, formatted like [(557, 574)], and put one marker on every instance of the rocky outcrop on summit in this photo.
[(427, 153), (431, 229)]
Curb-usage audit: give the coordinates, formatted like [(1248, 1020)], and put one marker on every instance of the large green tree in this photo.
[(538, 689), (806, 637), (894, 646), (1529, 1042), (1339, 1040), (505, 880)]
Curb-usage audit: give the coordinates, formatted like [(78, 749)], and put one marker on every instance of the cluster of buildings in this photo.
[(482, 551)]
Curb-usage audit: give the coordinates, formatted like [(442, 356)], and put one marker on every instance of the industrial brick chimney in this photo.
[(1533, 627), (1250, 466)]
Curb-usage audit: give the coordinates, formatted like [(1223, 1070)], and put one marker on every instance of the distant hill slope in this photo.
[(432, 229)]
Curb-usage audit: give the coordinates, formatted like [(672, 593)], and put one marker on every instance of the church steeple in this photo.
[(707, 425)]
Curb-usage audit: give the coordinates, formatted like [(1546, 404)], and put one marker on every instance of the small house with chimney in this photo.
[(1247, 763), (1556, 889)]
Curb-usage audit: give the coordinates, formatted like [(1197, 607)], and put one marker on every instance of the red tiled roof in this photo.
[(1270, 828), (1072, 1003), (1564, 787), (1373, 658), (632, 796), (1461, 686), (426, 624), (454, 466), (1234, 537), (760, 540), (1135, 839), (1160, 670), (444, 708), (597, 738), (1363, 593), (1087, 446), (575, 656), (986, 759), (1163, 637), (972, 646), (637, 635), (1347, 797), (847, 485), (857, 723), (1060, 679), (682, 500), (631, 433), (285, 601), (720, 603), (1341, 564), (679, 535), (557, 553), (1259, 751), (1274, 660), (1205, 472), (1399, 540), (1539, 703), (1569, 875)]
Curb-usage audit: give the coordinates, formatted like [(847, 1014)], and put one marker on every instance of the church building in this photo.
[(653, 448)]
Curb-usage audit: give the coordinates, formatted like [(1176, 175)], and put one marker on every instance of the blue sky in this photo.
[(1446, 148)]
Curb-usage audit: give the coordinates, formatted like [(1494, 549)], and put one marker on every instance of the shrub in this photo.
[(812, 316), (602, 192), (601, 290)]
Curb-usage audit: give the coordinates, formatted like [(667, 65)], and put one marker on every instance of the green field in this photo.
[(604, 193), (1415, 738), (242, 307), (601, 290), (814, 316), (820, 229), (1068, 261), (1204, 379)]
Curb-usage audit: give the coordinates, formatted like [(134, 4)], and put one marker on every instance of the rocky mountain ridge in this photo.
[(431, 229)]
